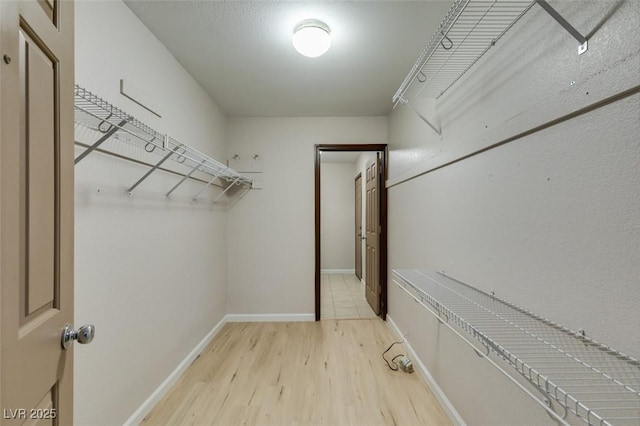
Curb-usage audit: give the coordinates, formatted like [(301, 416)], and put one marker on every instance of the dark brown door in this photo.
[(358, 236), (372, 264)]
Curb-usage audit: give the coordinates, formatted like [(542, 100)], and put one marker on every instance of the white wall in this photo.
[(150, 274), (271, 231), (337, 215), (548, 221)]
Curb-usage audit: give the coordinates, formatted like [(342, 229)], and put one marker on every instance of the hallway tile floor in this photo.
[(342, 297)]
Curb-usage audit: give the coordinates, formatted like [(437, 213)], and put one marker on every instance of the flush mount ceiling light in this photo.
[(312, 38)]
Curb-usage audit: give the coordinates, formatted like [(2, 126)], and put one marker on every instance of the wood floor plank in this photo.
[(306, 373)]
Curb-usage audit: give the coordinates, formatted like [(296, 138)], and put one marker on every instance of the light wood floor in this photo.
[(308, 373)]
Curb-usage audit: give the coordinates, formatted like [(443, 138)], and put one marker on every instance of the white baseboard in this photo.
[(448, 407), (337, 271), (146, 407), (270, 317)]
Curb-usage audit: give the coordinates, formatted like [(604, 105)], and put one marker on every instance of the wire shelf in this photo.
[(598, 384), (467, 32), (99, 115)]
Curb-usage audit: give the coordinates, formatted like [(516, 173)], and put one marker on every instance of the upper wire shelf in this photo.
[(598, 384), (469, 29), (96, 114)]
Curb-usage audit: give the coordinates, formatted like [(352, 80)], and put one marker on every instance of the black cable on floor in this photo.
[(394, 358)]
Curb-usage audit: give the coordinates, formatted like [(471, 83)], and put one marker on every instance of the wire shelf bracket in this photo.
[(151, 170), (96, 114), (596, 383), (185, 177), (100, 141), (404, 101), (195, 197), (224, 192), (584, 45)]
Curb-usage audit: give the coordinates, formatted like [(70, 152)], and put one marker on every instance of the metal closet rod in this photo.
[(206, 163), (144, 163), (202, 162), (94, 109), (97, 114)]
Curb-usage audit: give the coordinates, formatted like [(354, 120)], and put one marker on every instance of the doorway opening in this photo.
[(369, 234)]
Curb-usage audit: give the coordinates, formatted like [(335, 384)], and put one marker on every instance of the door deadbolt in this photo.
[(83, 335)]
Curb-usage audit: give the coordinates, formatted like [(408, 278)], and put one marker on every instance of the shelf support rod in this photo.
[(100, 141), (225, 190), (566, 25), (153, 169), (185, 177), (404, 101), (195, 197)]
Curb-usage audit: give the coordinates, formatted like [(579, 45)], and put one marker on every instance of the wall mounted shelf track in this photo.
[(467, 32), (596, 383), (108, 122)]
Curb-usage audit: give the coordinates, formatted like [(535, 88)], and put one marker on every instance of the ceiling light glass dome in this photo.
[(312, 38)]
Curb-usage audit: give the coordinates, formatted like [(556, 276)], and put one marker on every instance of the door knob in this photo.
[(83, 335)]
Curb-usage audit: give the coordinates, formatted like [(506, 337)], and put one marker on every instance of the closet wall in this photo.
[(337, 217), (548, 221), (150, 274), (271, 231)]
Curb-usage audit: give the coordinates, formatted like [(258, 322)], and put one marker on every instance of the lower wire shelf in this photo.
[(598, 384)]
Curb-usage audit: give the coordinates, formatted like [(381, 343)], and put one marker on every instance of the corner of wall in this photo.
[(448, 407), (145, 408)]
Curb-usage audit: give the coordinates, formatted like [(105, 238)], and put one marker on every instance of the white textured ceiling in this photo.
[(241, 52)]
